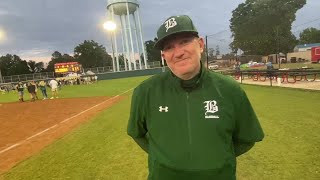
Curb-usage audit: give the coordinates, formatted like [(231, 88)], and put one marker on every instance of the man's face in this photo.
[(182, 54)]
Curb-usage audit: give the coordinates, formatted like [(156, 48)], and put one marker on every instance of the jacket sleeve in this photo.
[(137, 127), (241, 148), (247, 129)]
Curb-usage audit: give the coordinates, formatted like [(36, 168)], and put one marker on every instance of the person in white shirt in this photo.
[(54, 88)]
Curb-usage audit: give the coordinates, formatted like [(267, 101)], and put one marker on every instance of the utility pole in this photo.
[(207, 51), (207, 44), (0, 77), (278, 47)]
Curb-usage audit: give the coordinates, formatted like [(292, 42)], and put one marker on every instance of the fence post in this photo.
[(0, 76), (270, 77)]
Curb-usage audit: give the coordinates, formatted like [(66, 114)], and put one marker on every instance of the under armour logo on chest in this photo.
[(163, 109)]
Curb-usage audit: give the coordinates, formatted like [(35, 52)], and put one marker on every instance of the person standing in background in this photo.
[(54, 88), (32, 90), (42, 87), (36, 89), (20, 89)]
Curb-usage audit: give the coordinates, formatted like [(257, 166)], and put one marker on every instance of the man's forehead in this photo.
[(177, 37)]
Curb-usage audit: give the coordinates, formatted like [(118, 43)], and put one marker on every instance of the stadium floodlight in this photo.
[(2, 39), (2, 35), (109, 26)]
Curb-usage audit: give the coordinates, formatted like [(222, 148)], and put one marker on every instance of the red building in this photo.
[(315, 54)]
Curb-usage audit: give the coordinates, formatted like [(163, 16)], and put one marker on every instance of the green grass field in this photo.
[(101, 149)]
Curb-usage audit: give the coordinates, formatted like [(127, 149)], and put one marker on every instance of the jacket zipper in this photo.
[(189, 126)]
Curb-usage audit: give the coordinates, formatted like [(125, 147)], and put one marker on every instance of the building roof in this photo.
[(307, 45)]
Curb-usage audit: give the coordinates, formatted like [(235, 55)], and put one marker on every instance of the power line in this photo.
[(307, 22), (314, 20), (300, 30), (217, 33)]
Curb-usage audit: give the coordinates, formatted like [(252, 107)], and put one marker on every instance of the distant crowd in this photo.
[(33, 87), (77, 80)]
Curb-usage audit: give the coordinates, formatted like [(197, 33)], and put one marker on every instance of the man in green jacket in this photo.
[(193, 123)]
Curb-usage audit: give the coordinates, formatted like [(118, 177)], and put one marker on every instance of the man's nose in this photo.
[(178, 51)]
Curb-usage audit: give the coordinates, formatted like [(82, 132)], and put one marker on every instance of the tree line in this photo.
[(265, 27), (89, 54), (257, 27)]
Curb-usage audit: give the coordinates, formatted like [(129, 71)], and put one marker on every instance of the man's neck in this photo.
[(190, 75)]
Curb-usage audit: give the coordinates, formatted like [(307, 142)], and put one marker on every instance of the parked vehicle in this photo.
[(213, 66)]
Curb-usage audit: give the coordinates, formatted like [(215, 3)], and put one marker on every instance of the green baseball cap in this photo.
[(172, 26)]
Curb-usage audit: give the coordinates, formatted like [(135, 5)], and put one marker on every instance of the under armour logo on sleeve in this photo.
[(163, 109)]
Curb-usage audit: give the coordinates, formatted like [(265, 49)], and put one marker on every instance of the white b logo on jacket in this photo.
[(211, 107)]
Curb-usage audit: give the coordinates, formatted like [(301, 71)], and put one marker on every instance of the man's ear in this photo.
[(162, 55), (201, 43)]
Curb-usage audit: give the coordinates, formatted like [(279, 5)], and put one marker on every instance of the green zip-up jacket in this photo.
[(192, 134)]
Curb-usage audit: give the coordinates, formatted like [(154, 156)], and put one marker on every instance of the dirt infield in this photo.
[(26, 128)]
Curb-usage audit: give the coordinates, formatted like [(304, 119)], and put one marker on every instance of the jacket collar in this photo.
[(188, 85)]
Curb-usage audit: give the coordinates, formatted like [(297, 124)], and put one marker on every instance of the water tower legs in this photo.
[(123, 19), (137, 42), (115, 43), (142, 42), (123, 46)]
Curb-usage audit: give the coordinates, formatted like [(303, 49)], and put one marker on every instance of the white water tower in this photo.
[(125, 14)]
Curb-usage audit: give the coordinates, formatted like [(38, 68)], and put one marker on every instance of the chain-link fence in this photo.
[(107, 69), (218, 53), (27, 77)]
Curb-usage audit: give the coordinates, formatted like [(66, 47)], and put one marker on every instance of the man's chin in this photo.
[(182, 74)]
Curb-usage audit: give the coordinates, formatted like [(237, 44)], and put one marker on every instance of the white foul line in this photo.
[(39, 133)]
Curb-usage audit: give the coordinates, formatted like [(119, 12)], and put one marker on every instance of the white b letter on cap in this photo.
[(170, 23)]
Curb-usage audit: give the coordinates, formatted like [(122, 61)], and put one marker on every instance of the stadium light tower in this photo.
[(2, 39), (111, 27)]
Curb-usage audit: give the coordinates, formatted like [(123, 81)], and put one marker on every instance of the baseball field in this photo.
[(82, 135)]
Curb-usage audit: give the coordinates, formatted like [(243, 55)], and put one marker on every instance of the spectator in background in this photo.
[(20, 89), (96, 78), (2, 89), (78, 81), (269, 66), (32, 90), (42, 86), (270, 74), (36, 89), (54, 88)]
